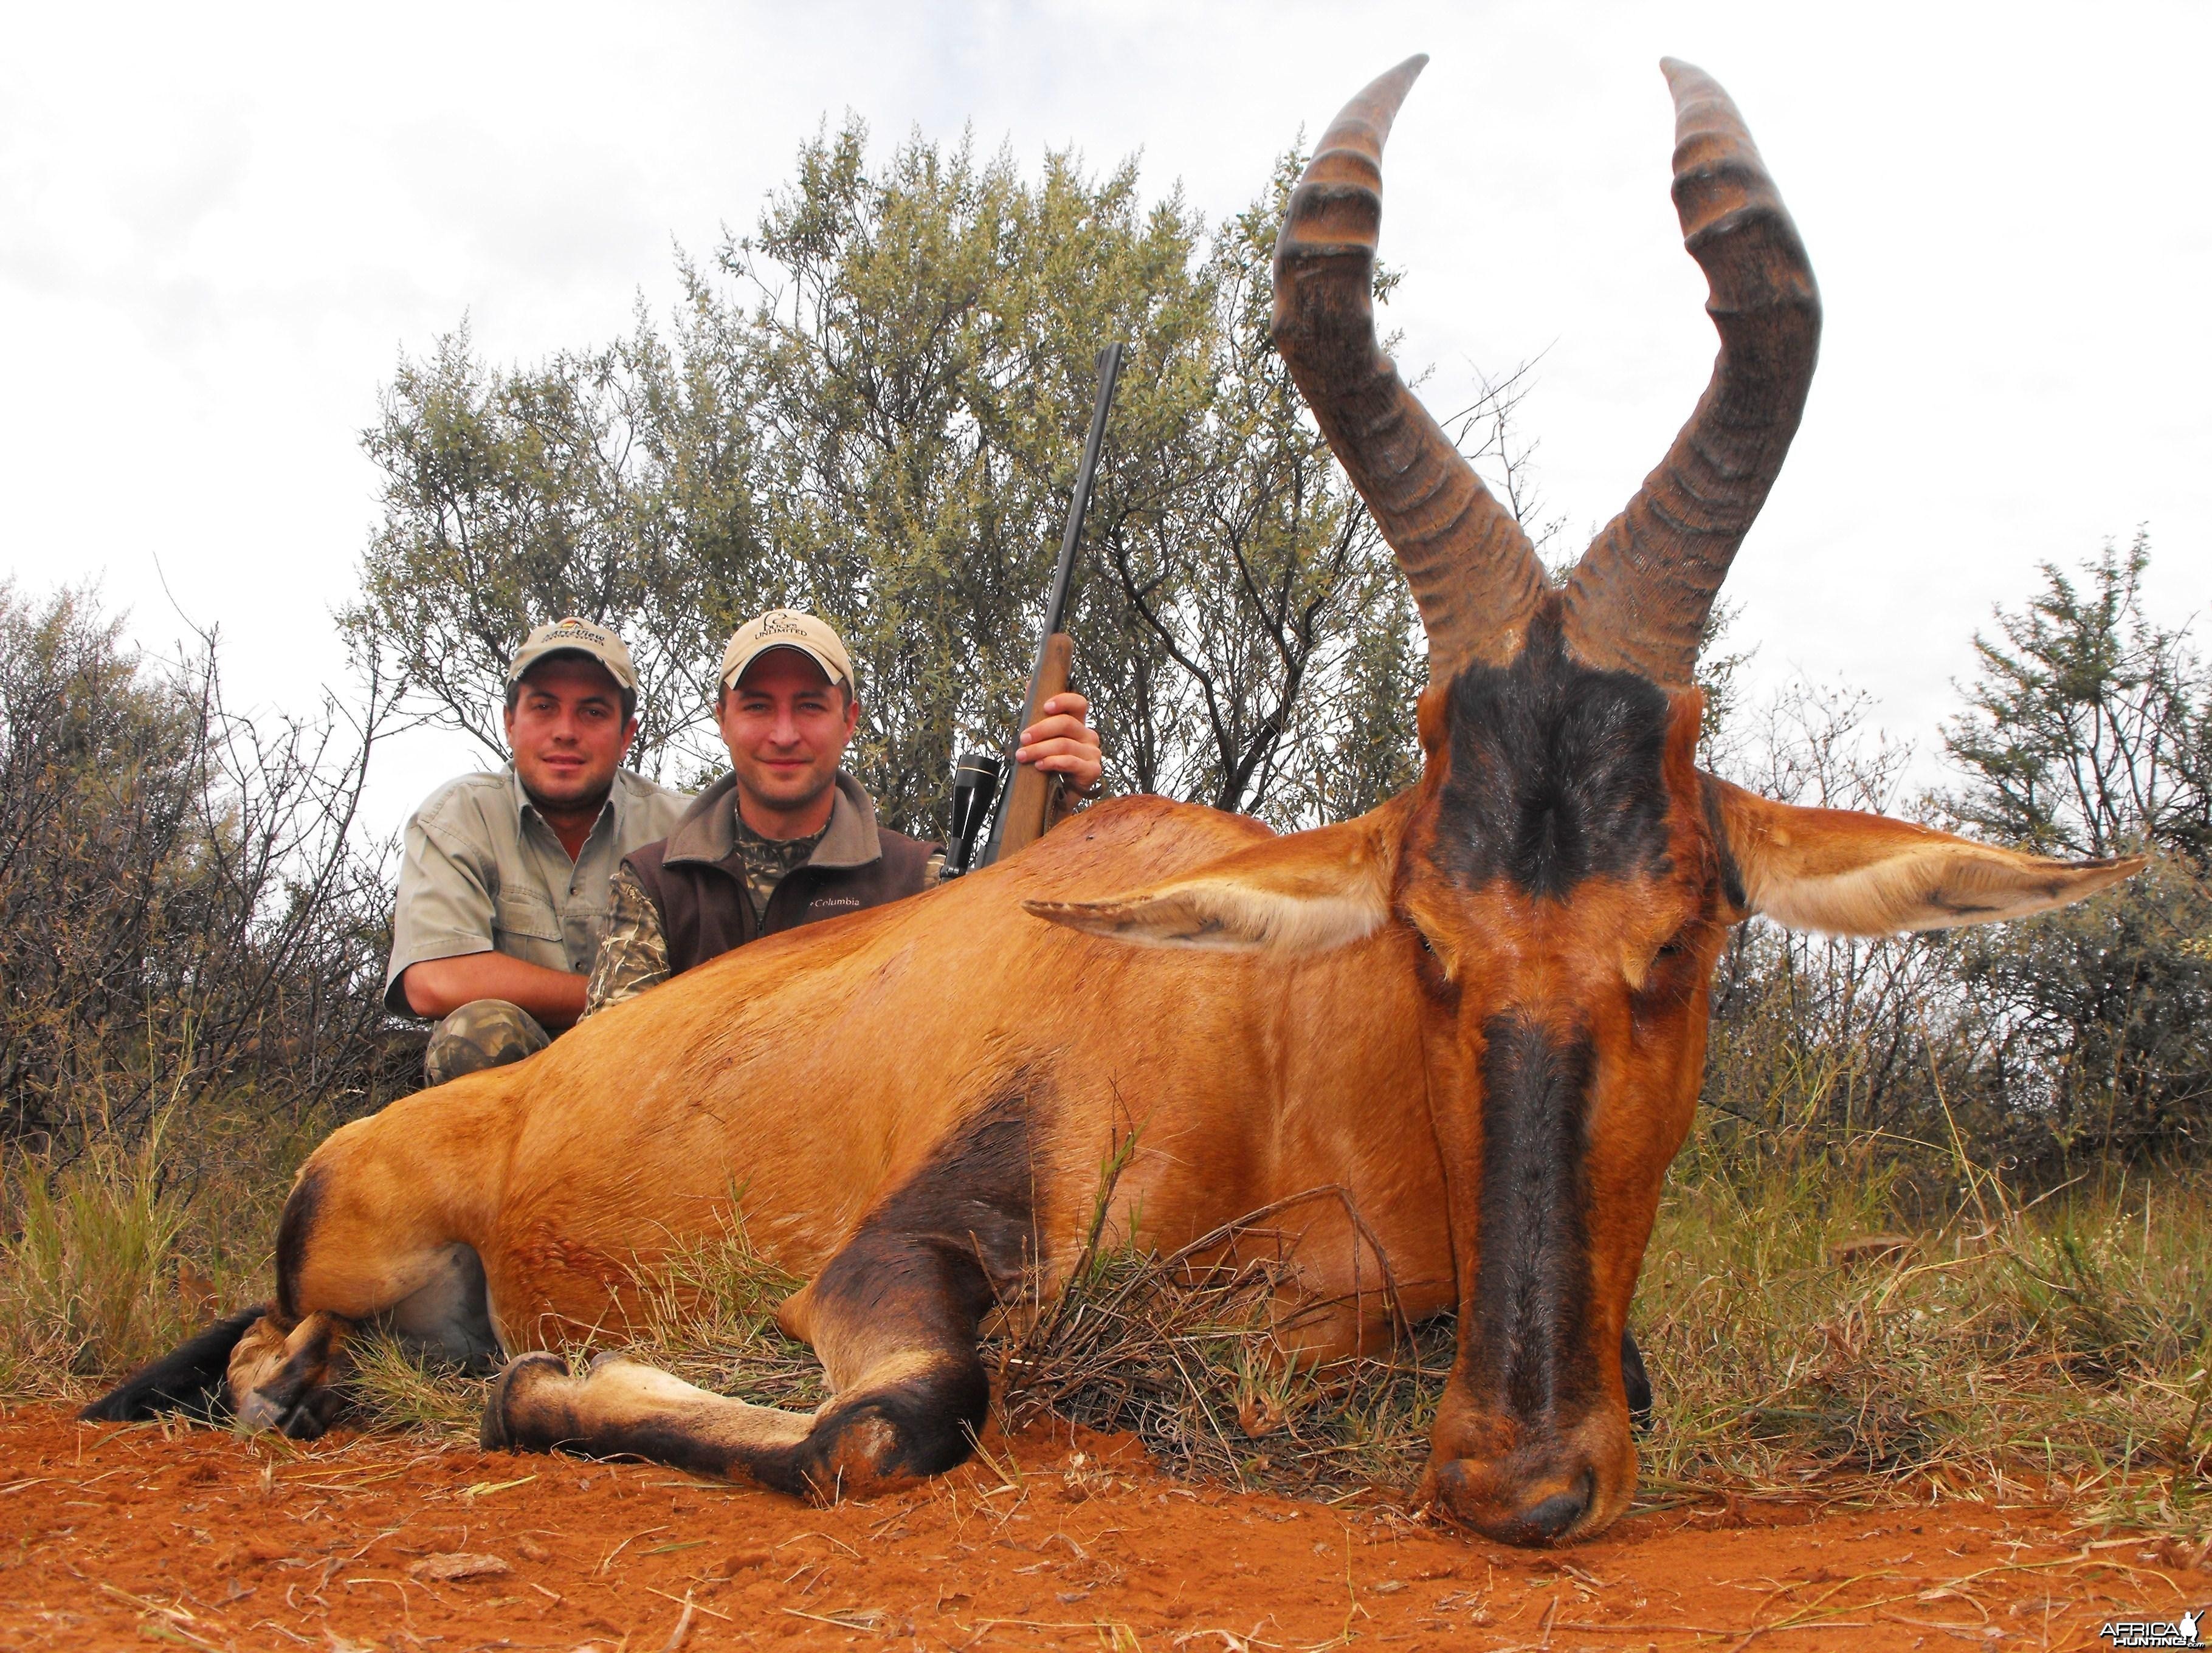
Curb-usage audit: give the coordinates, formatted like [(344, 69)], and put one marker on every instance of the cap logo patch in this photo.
[(571, 635), (809, 633)]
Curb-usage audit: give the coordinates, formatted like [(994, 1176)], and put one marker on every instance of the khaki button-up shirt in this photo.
[(484, 872)]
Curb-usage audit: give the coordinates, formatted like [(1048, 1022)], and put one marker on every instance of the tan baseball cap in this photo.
[(786, 629), (574, 636)]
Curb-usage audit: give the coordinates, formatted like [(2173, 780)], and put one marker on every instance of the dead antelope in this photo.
[(1480, 1010)]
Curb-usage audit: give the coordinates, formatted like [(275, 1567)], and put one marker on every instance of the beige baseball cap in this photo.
[(786, 629), (574, 636)]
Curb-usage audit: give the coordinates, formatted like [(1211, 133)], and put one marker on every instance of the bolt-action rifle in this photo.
[(1019, 819)]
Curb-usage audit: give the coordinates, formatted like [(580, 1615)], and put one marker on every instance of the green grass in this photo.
[(110, 1257), (2056, 1352)]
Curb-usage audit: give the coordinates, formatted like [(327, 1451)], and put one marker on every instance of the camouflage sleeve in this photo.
[(633, 954)]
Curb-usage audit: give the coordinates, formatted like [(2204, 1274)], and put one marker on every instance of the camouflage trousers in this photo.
[(482, 1033)]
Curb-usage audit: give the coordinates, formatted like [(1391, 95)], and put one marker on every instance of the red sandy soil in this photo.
[(115, 1537)]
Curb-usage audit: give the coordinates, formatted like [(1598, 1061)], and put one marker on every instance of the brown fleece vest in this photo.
[(705, 912)]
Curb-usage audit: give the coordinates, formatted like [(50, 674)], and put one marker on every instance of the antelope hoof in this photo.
[(511, 1423), (1636, 1382), (289, 1380), (285, 1411)]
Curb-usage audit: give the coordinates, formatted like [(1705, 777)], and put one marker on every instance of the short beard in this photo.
[(544, 805)]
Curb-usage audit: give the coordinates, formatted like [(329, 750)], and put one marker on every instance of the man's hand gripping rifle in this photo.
[(1019, 819)]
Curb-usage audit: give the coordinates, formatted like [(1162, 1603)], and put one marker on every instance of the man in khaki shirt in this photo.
[(503, 892)]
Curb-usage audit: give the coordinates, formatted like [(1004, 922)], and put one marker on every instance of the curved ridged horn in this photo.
[(1475, 576), (1640, 597)]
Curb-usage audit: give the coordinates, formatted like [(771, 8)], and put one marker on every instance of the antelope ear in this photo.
[(1849, 873), (1300, 894)]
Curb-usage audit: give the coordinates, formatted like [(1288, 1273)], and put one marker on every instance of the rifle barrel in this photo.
[(1056, 609)]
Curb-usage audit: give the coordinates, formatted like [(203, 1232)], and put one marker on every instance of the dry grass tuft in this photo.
[(393, 1391), (709, 1317), (1196, 1353), (86, 1247)]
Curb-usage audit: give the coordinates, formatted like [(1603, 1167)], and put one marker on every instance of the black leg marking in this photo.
[(919, 1277), (975, 1199), (294, 1230), (1636, 1381), (886, 1433), (303, 1395), (895, 1314), (935, 1297), (190, 1378)]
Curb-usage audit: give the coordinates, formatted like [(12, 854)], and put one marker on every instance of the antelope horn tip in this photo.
[(1364, 124), (1683, 77)]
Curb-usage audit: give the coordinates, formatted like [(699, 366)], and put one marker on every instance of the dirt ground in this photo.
[(114, 1537)]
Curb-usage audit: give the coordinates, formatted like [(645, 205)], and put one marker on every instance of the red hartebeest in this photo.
[(1480, 1009)]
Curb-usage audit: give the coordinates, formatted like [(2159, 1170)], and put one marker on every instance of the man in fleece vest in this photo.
[(786, 838)]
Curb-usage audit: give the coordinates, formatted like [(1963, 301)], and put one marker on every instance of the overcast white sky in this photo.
[(220, 227)]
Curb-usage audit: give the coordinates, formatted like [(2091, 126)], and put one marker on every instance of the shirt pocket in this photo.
[(525, 925)]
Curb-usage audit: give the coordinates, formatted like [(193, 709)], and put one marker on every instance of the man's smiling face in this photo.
[(567, 731), (786, 725)]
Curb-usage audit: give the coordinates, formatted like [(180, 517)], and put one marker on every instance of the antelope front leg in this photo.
[(911, 1392)]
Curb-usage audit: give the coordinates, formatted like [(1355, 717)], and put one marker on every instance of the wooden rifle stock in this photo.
[(1028, 801)]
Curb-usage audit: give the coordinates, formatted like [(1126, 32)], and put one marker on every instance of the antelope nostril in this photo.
[(1556, 1514), (1483, 1495)]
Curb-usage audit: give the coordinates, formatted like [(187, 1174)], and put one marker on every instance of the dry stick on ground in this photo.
[(676, 1636)]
